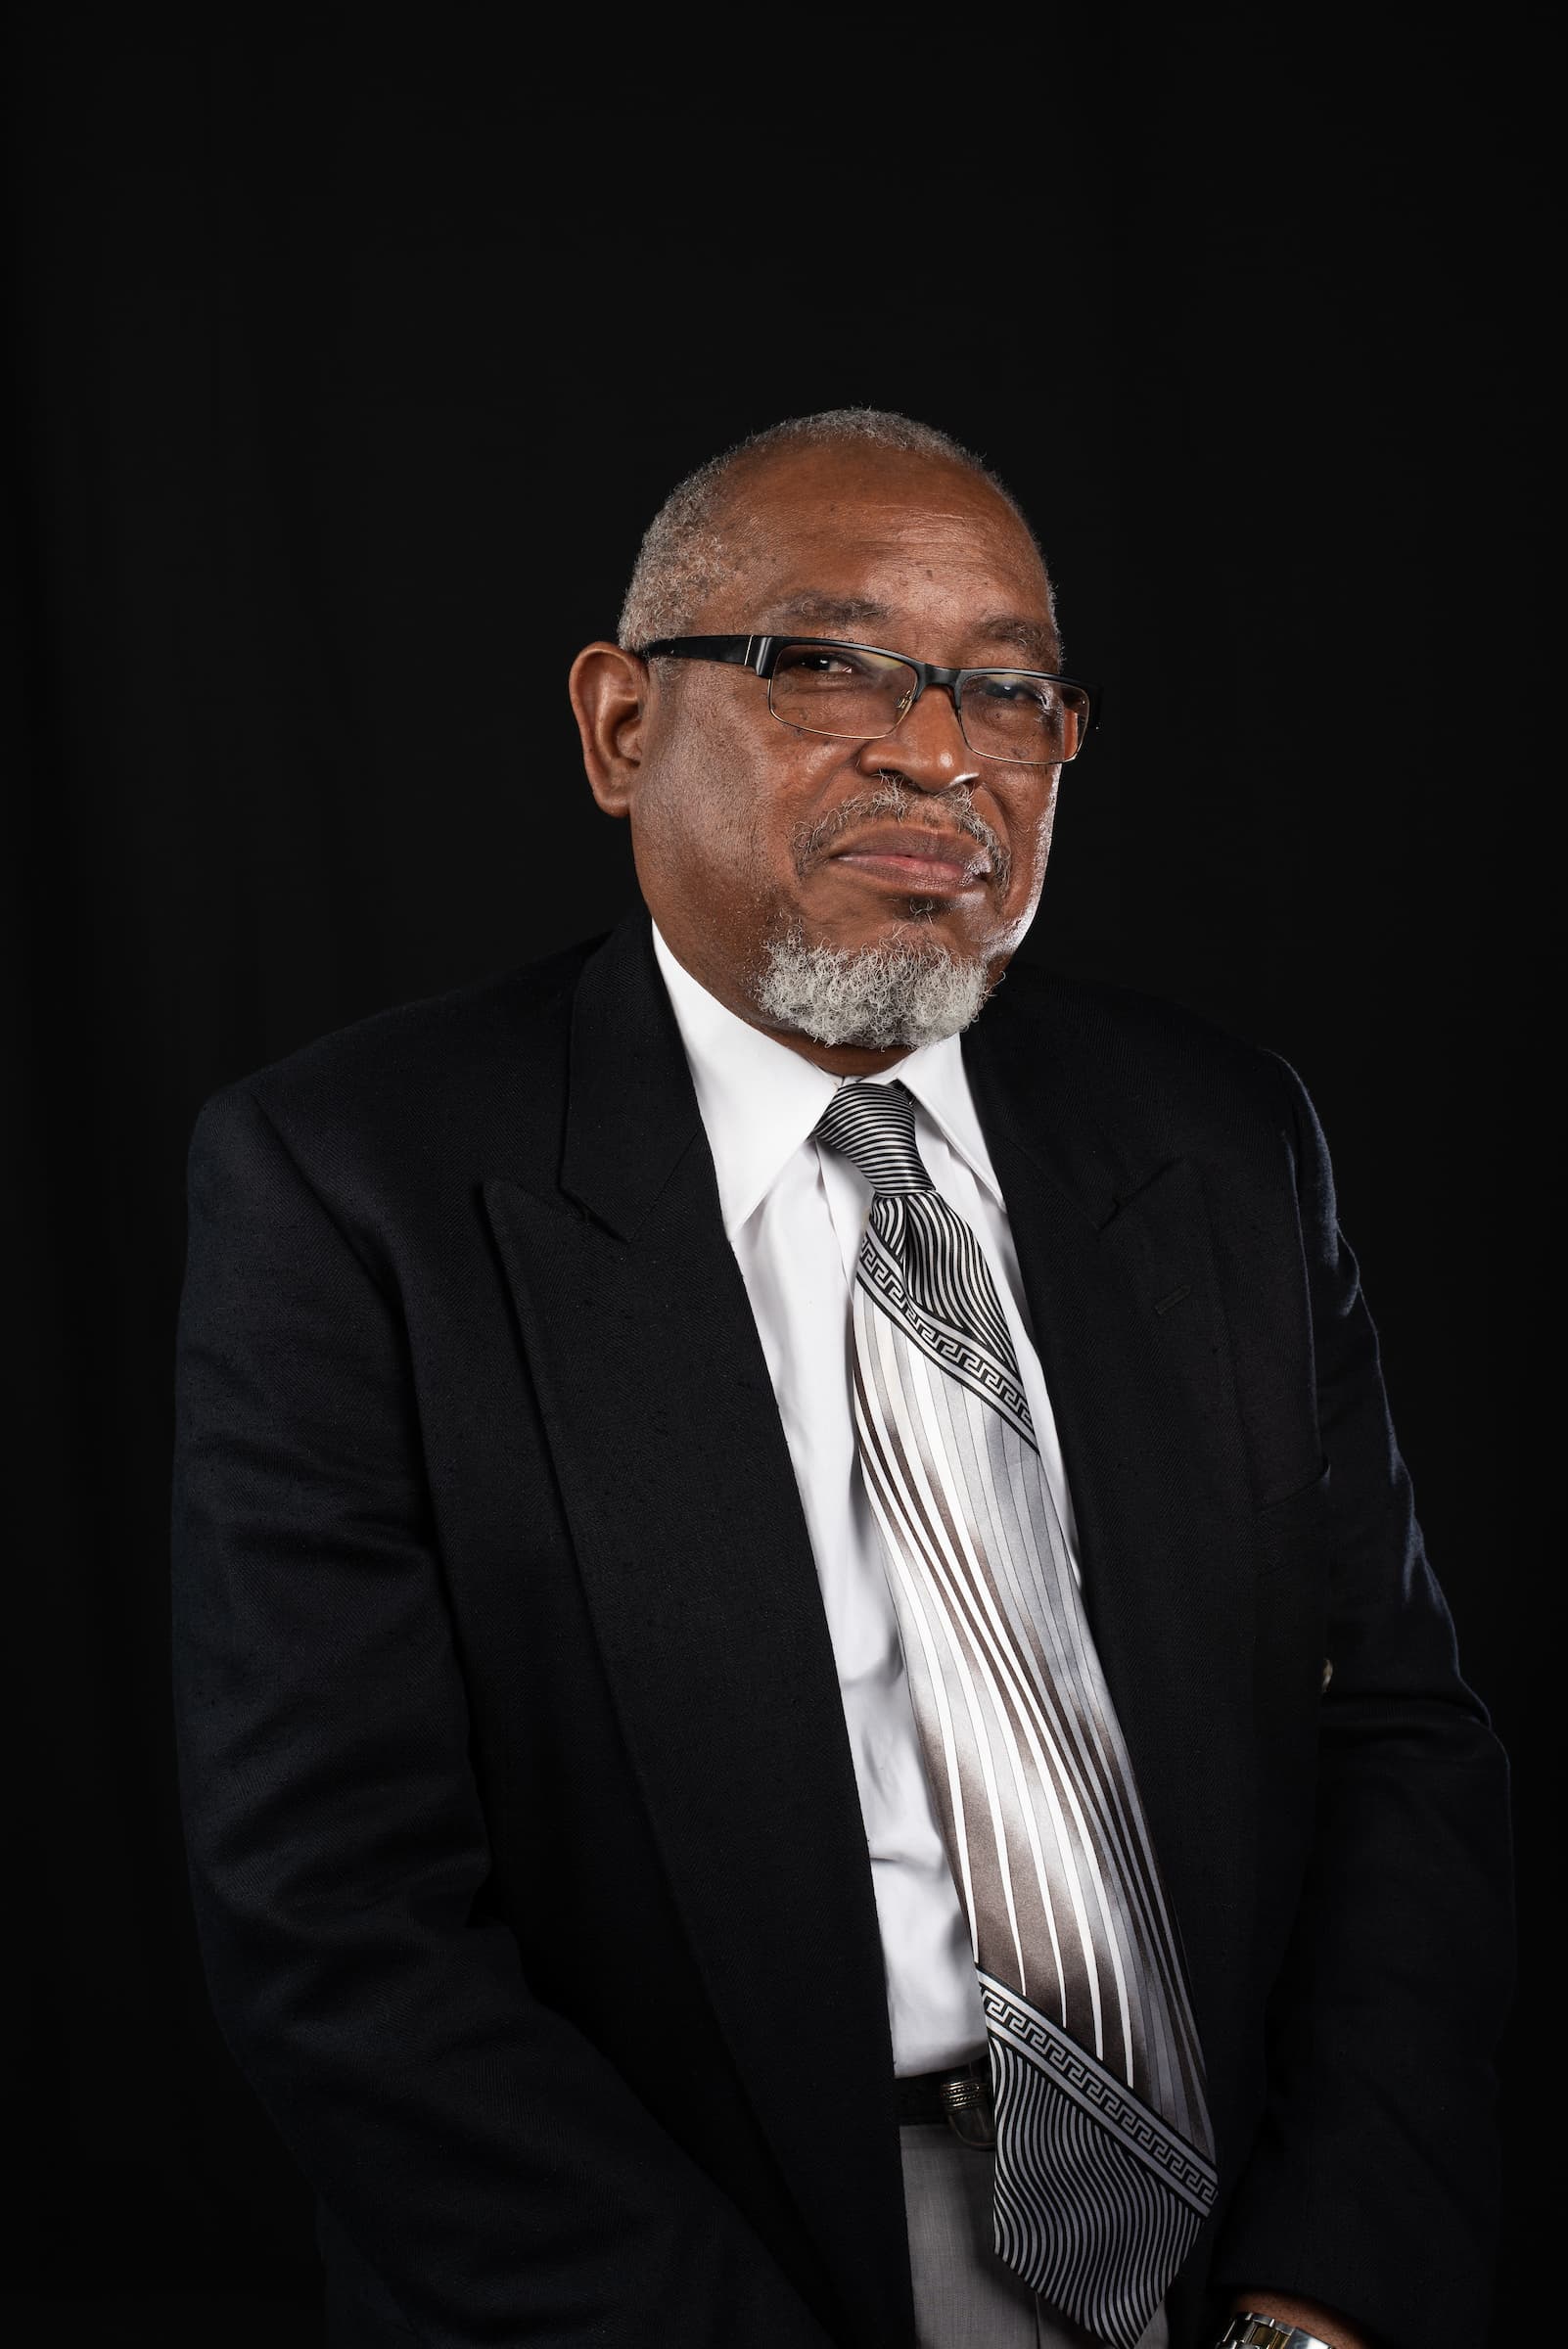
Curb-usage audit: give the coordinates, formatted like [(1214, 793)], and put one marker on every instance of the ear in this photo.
[(612, 691)]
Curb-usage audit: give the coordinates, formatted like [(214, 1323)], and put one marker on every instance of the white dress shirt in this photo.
[(794, 1213)]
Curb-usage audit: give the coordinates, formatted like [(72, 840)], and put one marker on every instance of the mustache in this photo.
[(950, 812)]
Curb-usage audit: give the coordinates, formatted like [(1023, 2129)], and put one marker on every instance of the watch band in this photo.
[(1249, 2330)]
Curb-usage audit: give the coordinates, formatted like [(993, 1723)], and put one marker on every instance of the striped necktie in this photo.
[(1104, 2155)]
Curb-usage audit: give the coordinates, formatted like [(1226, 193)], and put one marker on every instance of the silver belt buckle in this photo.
[(971, 2112)]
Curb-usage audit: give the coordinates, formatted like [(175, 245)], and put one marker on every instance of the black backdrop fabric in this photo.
[(344, 373)]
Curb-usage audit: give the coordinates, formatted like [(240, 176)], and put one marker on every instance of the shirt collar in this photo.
[(759, 1100)]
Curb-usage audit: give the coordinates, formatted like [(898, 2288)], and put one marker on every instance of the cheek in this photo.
[(702, 823), (1030, 836), (1045, 827)]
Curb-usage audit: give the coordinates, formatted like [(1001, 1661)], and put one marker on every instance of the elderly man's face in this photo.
[(744, 828)]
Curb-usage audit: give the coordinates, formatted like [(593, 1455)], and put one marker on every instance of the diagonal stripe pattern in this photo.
[(1104, 2153)]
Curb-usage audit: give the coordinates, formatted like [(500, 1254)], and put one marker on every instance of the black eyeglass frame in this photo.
[(760, 655)]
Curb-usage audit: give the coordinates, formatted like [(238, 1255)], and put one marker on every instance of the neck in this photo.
[(840, 1060)]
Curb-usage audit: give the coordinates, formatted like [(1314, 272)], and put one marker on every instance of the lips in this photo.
[(916, 858)]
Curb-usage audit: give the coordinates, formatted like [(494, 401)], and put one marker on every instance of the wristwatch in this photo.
[(1249, 2330)]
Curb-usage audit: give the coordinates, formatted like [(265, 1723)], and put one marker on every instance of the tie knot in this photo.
[(872, 1126)]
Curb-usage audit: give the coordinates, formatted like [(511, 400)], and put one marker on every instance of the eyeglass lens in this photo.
[(848, 690)]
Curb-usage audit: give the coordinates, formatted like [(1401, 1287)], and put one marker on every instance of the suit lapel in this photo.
[(1117, 1266), (694, 1553)]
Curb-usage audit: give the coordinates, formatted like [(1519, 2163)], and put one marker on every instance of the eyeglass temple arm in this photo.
[(739, 652)]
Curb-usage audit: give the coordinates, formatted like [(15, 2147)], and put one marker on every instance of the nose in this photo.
[(927, 745)]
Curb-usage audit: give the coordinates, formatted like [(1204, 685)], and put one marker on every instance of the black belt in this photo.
[(961, 2096)]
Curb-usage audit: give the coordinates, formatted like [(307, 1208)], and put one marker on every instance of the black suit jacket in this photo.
[(524, 1845)]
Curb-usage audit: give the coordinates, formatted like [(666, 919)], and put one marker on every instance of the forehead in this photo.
[(911, 552)]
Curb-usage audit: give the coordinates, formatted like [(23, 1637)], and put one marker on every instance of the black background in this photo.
[(346, 370)]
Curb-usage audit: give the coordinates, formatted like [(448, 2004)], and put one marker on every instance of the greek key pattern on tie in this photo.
[(1104, 2155)]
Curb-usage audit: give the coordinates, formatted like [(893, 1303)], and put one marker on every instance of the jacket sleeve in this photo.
[(1372, 2184), (486, 2162)]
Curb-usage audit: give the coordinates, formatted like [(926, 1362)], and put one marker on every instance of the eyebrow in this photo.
[(814, 608), (820, 610), (1034, 637)]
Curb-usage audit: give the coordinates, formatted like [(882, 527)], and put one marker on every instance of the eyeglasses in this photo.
[(858, 692)]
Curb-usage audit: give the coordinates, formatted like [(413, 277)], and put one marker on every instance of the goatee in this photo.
[(904, 992)]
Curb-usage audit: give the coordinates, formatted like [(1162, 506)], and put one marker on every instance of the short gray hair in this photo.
[(693, 545)]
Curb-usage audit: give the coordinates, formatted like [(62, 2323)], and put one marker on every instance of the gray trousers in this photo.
[(964, 2297)]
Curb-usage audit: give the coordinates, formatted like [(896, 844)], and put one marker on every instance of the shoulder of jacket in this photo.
[(1147, 1061), (449, 1034), (1094, 1016), (491, 1052)]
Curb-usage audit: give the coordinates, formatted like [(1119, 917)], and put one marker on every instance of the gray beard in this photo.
[(904, 993)]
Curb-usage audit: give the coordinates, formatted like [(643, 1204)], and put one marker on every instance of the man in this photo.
[(809, 1705)]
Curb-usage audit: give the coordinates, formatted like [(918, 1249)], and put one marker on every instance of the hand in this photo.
[(1310, 2314)]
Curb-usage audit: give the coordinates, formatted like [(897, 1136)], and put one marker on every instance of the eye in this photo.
[(817, 661), (1007, 692)]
